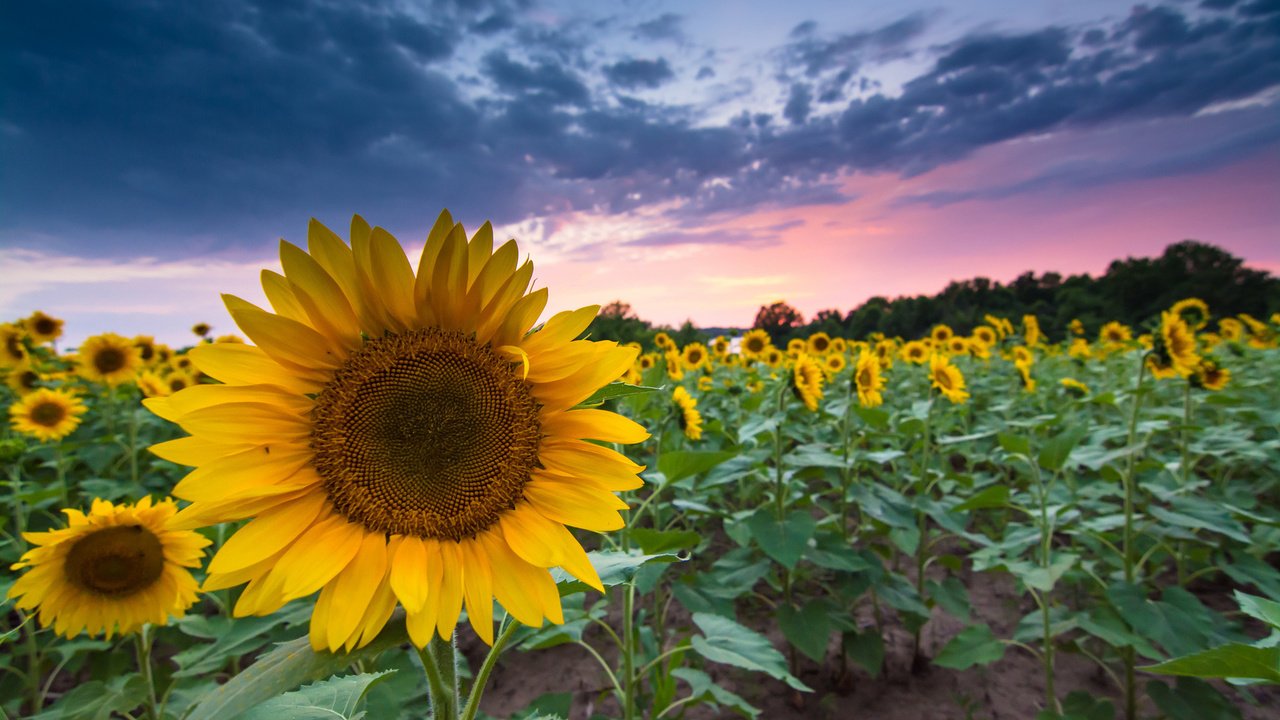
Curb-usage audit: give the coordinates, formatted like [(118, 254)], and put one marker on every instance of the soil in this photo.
[(1010, 689)]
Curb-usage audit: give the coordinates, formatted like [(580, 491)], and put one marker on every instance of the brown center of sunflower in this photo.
[(48, 414), (146, 351), (820, 344), (864, 378), (425, 433), (943, 378), (13, 347), (108, 360), (28, 379), (116, 561), (45, 326), (695, 357)]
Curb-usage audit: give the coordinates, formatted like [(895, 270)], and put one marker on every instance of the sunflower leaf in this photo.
[(615, 390), (336, 697), (615, 568)]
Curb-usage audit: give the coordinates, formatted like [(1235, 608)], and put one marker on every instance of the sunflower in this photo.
[(819, 343), (1075, 327), (706, 382), (838, 345), (43, 328), (109, 359), (947, 378), (1024, 374), (1074, 387), (694, 356), (984, 335), (111, 571), (755, 343), (806, 380), (46, 414), (687, 415), (941, 333), (720, 346), (1114, 333), (885, 350), (915, 352), (1023, 355), (663, 341), (201, 329), (13, 350), (868, 380), (402, 437), (23, 378), (229, 339), (795, 346), (1160, 367), (1209, 375), (1031, 330), (957, 345), (1193, 311), (146, 345), (1231, 329), (1177, 344), (773, 357), (646, 361), (997, 324), (834, 364), (1079, 349), (1261, 336), (675, 365), (152, 385)]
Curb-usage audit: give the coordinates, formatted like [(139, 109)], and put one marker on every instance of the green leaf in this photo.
[(678, 464), (1054, 452), (784, 542), (993, 496), (1014, 444), (663, 541), (336, 697), (96, 700), (1081, 705), (286, 667), (615, 390), (867, 649), (614, 567), (807, 628), (1234, 660), (702, 686), (975, 645), (1268, 611), (952, 595), (725, 641), (954, 439), (231, 637), (1192, 699)]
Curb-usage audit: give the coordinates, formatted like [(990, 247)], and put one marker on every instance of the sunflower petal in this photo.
[(237, 364), (594, 425), (477, 588)]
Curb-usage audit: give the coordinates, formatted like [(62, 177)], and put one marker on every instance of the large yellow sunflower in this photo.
[(755, 343), (868, 380), (48, 415), (947, 378), (687, 415), (110, 571), (108, 358), (43, 328), (402, 437), (806, 380), (1178, 344)]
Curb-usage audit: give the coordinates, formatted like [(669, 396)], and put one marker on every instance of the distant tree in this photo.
[(778, 319), (688, 333), (617, 321)]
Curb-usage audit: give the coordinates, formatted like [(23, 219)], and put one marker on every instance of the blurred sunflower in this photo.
[(1115, 333), (1074, 387), (1231, 329), (402, 437), (795, 346), (146, 345), (947, 378), (108, 358), (46, 414), (1031, 330), (687, 415), (885, 350), (838, 345), (868, 381), (773, 357), (178, 380), (1160, 367), (834, 364), (694, 356), (23, 378), (152, 385), (1023, 355), (706, 382), (1209, 375), (663, 341), (111, 571), (647, 361), (985, 335), (1024, 374), (1075, 327), (957, 345), (720, 346), (1177, 344), (806, 380), (819, 343), (229, 339), (941, 333), (675, 365), (754, 343), (997, 324), (43, 328), (915, 352), (1193, 311), (12, 348), (201, 329), (1080, 349)]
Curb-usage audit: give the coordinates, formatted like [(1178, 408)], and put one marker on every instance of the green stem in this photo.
[(922, 526), (1185, 465), (142, 646), (779, 491), (482, 677), (27, 622), (1127, 653), (628, 653), (439, 664), (60, 470), (847, 474), (133, 446)]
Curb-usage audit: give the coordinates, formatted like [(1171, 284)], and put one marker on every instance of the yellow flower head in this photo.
[(1023, 355), (687, 414), (1177, 344), (795, 346), (868, 380), (1031, 330), (108, 359), (675, 364), (647, 361), (915, 352), (1160, 367), (1231, 329), (755, 343), (1114, 333), (1075, 327), (201, 329), (110, 571), (146, 346), (806, 380), (43, 328), (13, 350), (720, 346), (1193, 311), (1080, 349), (694, 356), (834, 364), (46, 414), (1024, 373), (663, 341), (1209, 375), (885, 350), (402, 437), (958, 345), (773, 357), (838, 345), (940, 334), (985, 335), (997, 324), (819, 343), (705, 383), (153, 385), (23, 378), (1074, 387), (947, 378)]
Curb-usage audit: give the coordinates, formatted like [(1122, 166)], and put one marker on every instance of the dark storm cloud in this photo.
[(203, 122), (634, 74)]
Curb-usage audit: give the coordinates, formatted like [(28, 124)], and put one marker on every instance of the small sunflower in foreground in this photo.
[(868, 381), (755, 343), (806, 380), (110, 571), (947, 379), (402, 437), (687, 415), (43, 328), (47, 415), (108, 359)]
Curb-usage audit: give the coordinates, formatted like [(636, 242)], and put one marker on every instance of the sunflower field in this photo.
[(395, 493)]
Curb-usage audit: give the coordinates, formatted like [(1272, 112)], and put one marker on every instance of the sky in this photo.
[(696, 160)]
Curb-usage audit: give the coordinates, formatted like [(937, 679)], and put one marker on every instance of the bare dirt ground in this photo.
[(1010, 689)]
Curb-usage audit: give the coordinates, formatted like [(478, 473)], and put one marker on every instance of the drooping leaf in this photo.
[(975, 645), (725, 641), (329, 699)]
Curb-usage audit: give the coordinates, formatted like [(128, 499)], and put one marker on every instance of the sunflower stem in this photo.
[(61, 471), (142, 645), (133, 446), (482, 677), (1127, 653), (439, 664), (922, 524), (628, 653)]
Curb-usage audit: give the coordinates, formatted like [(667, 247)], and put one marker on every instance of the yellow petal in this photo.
[(322, 552), (198, 397), (516, 583), (426, 267), (497, 269), (560, 329), (240, 421), (354, 588), (449, 600), (280, 295), (392, 276), (575, 506), (477, 588), (267, 534), (256, 471), (479, 250), (336, 258), (238, 364), (409, 577), (288, 342), (594, 425), (321, 297), (523, 314)]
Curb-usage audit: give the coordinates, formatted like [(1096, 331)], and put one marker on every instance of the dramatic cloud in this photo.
[(633, 74)]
